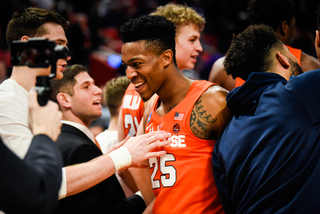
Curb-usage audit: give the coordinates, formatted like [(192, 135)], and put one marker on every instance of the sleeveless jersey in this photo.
[(132, 110), (182, 180), (295, 52), (239, 82)]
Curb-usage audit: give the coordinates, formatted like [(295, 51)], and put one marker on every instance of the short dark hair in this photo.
[(30, 22), (270, 12), (66, 84), (157, 31), (251, 51), (113, 93)]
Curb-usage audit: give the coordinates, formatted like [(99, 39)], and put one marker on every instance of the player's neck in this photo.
[(174, 93), (113, 125)]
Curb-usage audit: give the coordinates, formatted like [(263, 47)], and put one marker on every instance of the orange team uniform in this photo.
[(132, 111), (295, 52), (182, 180)]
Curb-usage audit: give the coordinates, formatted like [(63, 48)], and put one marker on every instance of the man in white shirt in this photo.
[(14, 128)]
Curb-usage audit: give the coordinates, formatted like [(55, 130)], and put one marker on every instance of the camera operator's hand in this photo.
[(44, 120)]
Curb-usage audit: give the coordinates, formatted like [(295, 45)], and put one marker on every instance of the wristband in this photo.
[(121, 158)]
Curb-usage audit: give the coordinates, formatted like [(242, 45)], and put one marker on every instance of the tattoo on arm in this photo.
[(200, 122)]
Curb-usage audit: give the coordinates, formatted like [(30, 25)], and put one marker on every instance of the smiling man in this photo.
[(79, 99), (193, 111), (189, 25)]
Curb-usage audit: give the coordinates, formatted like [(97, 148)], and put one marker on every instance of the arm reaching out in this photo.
[(86, 175)]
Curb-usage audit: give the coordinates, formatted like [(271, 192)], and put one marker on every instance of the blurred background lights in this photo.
[(114, 60)]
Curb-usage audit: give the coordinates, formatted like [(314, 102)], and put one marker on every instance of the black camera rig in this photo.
[(39, 53)]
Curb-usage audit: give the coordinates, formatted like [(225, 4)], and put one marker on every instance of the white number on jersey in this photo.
[(131, 123), (168, 173)]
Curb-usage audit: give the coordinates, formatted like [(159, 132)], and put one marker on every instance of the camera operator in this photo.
[(14, 128), (37, 178)]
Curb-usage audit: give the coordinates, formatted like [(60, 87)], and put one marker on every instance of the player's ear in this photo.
[(283, 28), (25, 38), (167, 57), (64, 100), (283, 60), (317, 41), (317, 44)]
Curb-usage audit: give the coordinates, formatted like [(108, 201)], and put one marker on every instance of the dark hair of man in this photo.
[(113, 93), (271, 12), (251, 51), (66, 84), (158, 33), (30, 22)]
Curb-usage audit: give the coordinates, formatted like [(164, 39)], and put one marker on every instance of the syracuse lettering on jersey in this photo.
[(131, 102), (178, 141)]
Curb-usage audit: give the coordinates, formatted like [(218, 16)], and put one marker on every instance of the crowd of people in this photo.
[(243, 140)]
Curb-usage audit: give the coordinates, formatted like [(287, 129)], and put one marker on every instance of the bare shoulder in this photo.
[(219, 75), (215, 95), (309, 63), (217, 70), (206, 119)]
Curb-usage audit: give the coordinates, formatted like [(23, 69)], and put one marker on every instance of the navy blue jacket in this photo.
[(30, 185), (268, 158)]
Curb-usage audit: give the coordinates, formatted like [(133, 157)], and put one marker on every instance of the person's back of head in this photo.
[(113, 93), (157, 32), (242, 58), (66, 84), (30, 22), (180, 14), (270, 12)]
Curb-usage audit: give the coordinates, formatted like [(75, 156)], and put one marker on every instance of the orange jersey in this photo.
[(239, 82), (132, 111), (295, 52), (182, 180)]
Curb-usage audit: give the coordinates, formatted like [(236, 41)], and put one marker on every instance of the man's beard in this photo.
[(295, 68)]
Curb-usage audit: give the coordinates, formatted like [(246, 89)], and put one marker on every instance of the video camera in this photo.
[(39, 53)]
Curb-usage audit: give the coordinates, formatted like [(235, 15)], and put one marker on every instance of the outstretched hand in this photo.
[(147, 146)]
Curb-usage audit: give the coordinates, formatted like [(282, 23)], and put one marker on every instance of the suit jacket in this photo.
[(105, 197), (30, 185)]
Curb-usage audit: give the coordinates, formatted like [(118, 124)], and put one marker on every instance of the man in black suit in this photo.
[(79, 99), (31, 185)]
